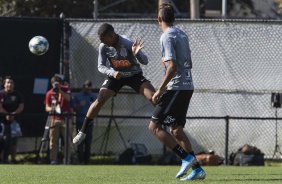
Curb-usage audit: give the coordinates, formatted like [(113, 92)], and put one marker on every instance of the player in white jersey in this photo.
[(174, 94), (124, 57)]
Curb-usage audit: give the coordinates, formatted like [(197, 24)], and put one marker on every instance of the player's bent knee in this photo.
[(156, 129), (153, 128), (175, 132)]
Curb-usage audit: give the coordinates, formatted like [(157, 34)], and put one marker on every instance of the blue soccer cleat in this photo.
[(197, 174), (186, 165)]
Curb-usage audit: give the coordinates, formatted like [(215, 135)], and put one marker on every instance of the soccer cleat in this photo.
[(197, 174), (186, 165), (79, 138)]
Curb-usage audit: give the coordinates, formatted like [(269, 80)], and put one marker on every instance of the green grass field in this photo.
[(132, 174)]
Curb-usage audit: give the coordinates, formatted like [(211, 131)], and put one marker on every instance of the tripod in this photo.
[(277, 148), (44, 140), (108, 129)]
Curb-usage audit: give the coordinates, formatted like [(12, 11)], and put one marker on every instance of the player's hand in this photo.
[(156, 97), (10, 117), (137, 46), (117, 75)]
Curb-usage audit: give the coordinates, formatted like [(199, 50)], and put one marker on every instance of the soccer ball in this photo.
[(38, 45)]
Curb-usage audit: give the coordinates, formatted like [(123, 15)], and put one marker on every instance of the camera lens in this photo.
[(56, 90)]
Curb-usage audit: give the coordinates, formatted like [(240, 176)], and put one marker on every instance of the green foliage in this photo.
[(73, 8), (243, 4), (129, 6), (53, 8), (85, 8)]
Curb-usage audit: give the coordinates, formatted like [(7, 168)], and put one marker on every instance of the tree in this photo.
[(145, 8), (279, 2), (50, 8), (247, 9), (7, 8), (71, 9)]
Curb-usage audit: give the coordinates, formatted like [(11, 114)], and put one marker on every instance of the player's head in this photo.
[(166, 14), (107, 34)]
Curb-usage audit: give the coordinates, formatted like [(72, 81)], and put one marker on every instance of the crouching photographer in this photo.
[(57, 103)]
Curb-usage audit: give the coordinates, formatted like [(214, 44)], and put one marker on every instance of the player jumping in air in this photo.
[(124, 57)]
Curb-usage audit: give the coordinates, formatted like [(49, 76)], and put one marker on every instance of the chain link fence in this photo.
[(236, 68)]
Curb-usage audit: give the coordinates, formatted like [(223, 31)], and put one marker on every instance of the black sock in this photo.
[(178, 150), (87, 121), (192, 153), (197, 165)]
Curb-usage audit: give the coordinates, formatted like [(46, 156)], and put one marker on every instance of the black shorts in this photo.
[(172, 108), (134, 82)]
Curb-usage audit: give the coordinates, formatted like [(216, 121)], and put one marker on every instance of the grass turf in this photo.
[(132, 174)]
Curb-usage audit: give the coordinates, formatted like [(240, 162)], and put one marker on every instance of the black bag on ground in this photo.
[(137, 154), (141, 153), (126, 157), (247, 156)]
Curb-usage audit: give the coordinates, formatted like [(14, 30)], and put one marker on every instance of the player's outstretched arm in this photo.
[(136, 50), (137, 46)]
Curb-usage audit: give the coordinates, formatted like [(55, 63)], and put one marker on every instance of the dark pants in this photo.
[(84, 148), (6, 143)]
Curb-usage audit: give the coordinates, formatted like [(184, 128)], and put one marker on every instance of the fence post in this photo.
[(62, 17), (66, 139), (226, 139)]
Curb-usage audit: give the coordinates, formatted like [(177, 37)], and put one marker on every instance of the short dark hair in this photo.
[(166, 12), (87, 83), (8, 77), (105, 29)]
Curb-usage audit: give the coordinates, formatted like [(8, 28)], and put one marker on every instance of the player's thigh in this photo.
[(173, 108), (163, 108), (147, 90), (104, 95), (112, 84), (182, 103), (138, 82)]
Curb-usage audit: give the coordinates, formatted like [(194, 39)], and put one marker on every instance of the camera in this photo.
[(56, 87)]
